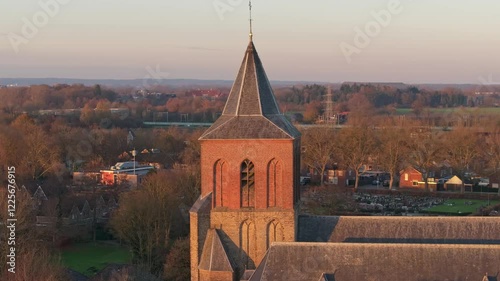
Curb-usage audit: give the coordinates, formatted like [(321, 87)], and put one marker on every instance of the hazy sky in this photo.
[(435, 41)]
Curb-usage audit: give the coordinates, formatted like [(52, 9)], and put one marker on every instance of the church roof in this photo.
[(251, 110), (214, 256), (421, 230), (347, 262), (202, 205)]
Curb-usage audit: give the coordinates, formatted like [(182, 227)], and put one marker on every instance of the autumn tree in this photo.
[(103, 114), (144, 218), (87, 115), (192, 152), (360, 109), (177, 264), (171, 145), (37, 156), (313, 110), (108, 144)]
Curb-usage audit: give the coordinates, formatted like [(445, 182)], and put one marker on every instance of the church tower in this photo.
[(250, 180)]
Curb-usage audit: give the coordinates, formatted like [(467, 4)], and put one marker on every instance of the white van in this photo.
[(125, 165)]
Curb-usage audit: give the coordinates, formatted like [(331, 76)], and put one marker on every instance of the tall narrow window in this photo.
[(219, 183), (274, 233), (247, 243), (273, 182), (247, 184)]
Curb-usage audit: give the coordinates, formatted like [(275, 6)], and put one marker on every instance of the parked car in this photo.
[(305, 180), (483, 182)]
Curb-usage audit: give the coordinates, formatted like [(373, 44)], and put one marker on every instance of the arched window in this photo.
[(219, 183), (273, 182), (247, 184), (247, 243), (274, 233)]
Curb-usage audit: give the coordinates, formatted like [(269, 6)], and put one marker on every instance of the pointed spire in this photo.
[(251, 110), (250, 9), (252, 93)]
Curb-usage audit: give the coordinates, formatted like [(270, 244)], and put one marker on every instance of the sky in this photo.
[(419, 41)]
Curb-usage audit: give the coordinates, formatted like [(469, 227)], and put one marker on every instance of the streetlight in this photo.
[(134, 153)]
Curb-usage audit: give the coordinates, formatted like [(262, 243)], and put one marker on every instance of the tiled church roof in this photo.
[(435, 230), (348, 262), (251, 110)]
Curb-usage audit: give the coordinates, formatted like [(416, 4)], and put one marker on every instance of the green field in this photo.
[(459, 207), (90, 258), (473, 110)]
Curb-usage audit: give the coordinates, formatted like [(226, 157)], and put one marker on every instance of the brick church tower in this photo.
[(250, 180)]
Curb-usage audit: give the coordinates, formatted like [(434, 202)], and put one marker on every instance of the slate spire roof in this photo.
[(251, 93), (251, 110), (214, 256)]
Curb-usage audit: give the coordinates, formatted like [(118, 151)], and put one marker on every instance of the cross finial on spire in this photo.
[(250, 8)]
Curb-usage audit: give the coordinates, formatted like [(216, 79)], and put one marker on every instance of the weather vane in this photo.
[(250, 8)]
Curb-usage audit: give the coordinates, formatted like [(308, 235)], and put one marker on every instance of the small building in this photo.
[(341, 178), (455, 184), (410, 177), (413, 178), (80, 178), (125, 172)]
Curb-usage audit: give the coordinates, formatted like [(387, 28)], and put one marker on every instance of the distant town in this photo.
[(83, 152)]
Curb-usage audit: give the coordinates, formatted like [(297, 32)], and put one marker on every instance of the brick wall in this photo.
[(199, 225), (261, 153), (262, 227), (246, 232)]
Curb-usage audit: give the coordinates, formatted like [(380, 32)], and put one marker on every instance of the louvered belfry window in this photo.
[(247, 184)]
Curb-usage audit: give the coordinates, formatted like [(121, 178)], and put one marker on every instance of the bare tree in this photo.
[(491, 149), (426, 151), (355, 146), (462, 148), (393, 150), (34, 261), (319, 147)]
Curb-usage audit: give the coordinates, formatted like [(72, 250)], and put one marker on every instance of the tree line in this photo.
[(163, 103), (309, 100), (392, 146), (45, 152)]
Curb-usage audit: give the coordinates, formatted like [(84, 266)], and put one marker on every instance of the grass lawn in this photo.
[(459, 207), (482, 110), (90, 258)]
